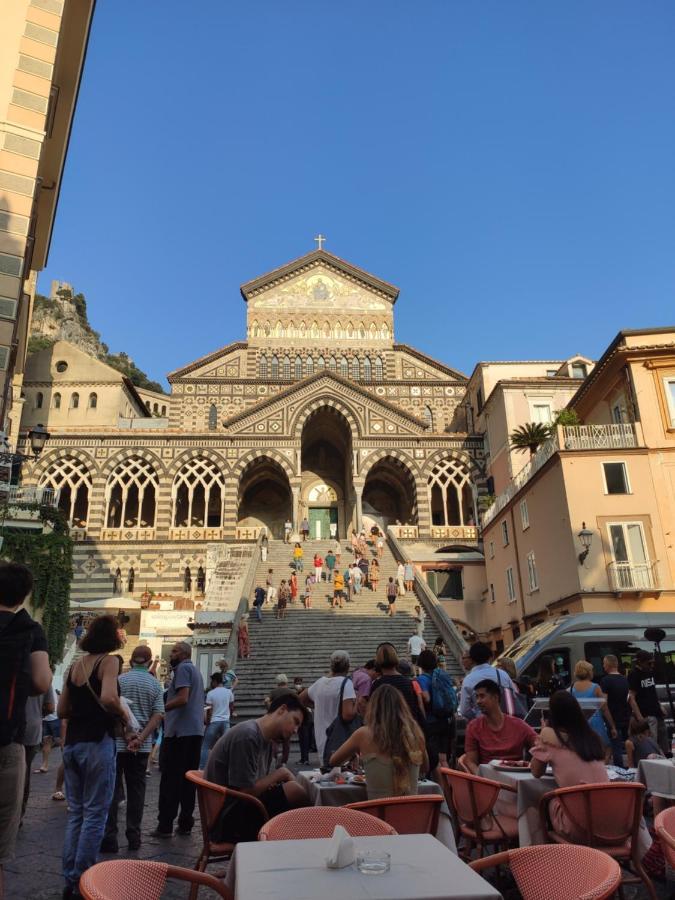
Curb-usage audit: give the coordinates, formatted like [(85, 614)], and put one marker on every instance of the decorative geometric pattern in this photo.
[(72, 473), (131, 475), (201, 475), (449, 474)]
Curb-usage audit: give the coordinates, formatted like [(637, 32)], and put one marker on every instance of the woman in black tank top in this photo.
[(90, 702)]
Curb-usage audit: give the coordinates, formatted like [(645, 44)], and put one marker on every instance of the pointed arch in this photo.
[(72, 478), (320, 363), (356, 368), (378, 369), (131, 494), (326, 331), (197, 495), (296, 425), (332, 364), (274, 366), (309, 365), (262, 366), (367, 369), (428, 417), (315, 333), (344, 367), (213, 417), (298, 367), (279, 330), (286, 367), (362, 331)]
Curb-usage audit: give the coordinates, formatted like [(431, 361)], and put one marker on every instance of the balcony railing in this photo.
[(568, 437), (543, 454), (625, 576), (42, 496), (599, 437)]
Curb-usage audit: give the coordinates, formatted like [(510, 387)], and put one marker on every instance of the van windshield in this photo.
[(527, 641)]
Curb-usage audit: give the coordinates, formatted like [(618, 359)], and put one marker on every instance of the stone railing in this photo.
[(446, 627), (127, 534), (625, 576), (247, 533), (454, 532), (405, 532), (599, 437), (195, 533)]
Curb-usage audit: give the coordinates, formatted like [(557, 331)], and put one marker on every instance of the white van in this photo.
[(592, 636)]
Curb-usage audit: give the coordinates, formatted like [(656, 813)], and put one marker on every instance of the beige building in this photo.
[(606, 487), (42, 50), (318, 413)]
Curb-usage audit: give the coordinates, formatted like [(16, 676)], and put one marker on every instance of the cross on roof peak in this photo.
[(320, 240)]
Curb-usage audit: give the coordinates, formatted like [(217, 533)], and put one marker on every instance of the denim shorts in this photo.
[(51, 728)]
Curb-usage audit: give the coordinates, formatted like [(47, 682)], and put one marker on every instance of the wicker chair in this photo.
[(129, 879), (408, 815), (319, 822), (664, 825), (604, 816), (558, 871), (211, 799), (472, 800)]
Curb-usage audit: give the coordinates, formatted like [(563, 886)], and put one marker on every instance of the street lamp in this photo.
[(586, 538), (38, 437)]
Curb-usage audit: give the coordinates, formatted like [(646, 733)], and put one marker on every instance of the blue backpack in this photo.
[(443, 695)]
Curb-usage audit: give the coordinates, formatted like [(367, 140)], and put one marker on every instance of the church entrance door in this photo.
[(320, 520)]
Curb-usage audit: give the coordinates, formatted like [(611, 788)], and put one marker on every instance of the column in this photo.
[(296, 509), (358, 490)]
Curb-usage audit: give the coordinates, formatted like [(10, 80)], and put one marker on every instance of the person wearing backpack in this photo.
[(24, 672), (440, 704)]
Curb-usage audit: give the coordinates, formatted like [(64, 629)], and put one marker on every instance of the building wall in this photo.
[(40, 66)]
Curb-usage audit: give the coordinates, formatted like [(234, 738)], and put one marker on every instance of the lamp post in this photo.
[(38, 437), (586, 538)]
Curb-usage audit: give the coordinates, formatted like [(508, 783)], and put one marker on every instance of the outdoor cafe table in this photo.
[(332, 794), (421, 869), (659, 776), (530, 791)]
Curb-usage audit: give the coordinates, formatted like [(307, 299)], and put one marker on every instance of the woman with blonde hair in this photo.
[(584, 688), (391, 745)]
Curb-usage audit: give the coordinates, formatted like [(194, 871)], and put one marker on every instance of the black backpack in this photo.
[(16, 643)]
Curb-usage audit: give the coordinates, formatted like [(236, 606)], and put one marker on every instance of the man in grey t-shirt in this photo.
[(182, 743), (242, 759)]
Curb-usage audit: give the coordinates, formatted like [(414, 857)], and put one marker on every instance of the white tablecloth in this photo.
[(331, 794), (525, 805), (421, 869), (659, 776)]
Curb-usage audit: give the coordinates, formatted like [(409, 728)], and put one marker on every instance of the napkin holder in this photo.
[(341, 851)]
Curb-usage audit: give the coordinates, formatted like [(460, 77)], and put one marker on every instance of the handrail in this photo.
[(62, 667), (230, 653), (447, 628)]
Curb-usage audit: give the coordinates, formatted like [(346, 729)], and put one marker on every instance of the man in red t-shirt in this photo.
[(494, 735)]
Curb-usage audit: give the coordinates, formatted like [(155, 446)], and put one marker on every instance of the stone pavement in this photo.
[(35, 873)]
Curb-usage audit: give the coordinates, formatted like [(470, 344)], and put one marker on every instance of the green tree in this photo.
[(565, 417), (529, 436)]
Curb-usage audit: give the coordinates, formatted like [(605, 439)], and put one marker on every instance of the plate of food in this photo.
[(511, 765), (357, 779)]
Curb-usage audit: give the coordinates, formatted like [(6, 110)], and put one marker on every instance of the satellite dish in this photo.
[(655, 635)]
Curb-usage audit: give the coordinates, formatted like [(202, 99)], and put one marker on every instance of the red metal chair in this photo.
[(408, 815), (604, 816), (319, 822), (558, 871), (664, 825), (129, 879), (211, 799), (472, 800)]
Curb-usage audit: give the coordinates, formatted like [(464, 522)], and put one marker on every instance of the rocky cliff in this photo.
[(63, 317)]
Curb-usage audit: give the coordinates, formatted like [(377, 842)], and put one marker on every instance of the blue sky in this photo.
[(509, 165)]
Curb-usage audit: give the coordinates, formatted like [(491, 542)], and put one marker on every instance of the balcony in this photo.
[(599, 437), (568, 437), (625, 576), (40, 496)]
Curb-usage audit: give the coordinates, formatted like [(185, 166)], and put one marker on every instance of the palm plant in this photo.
[(529, 436)]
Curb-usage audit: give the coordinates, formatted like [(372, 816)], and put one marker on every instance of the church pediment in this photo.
[(318, 283), (279, 415)]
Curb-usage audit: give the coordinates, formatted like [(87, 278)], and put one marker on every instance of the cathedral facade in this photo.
[(319, 414)]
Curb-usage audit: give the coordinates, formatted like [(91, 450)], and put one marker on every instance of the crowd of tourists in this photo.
[(339, 582), (392, 718)]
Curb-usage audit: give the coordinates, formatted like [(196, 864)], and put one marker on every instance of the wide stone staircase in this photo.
[(301, 643)]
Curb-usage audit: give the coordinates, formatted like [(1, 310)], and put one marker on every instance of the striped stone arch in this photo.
[(279, 458), (120, 455), (402, 458), (51, 456), (477, 473), (213, 456), (297, 424)]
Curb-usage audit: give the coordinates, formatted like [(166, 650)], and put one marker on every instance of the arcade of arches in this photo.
[(348, 431)]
